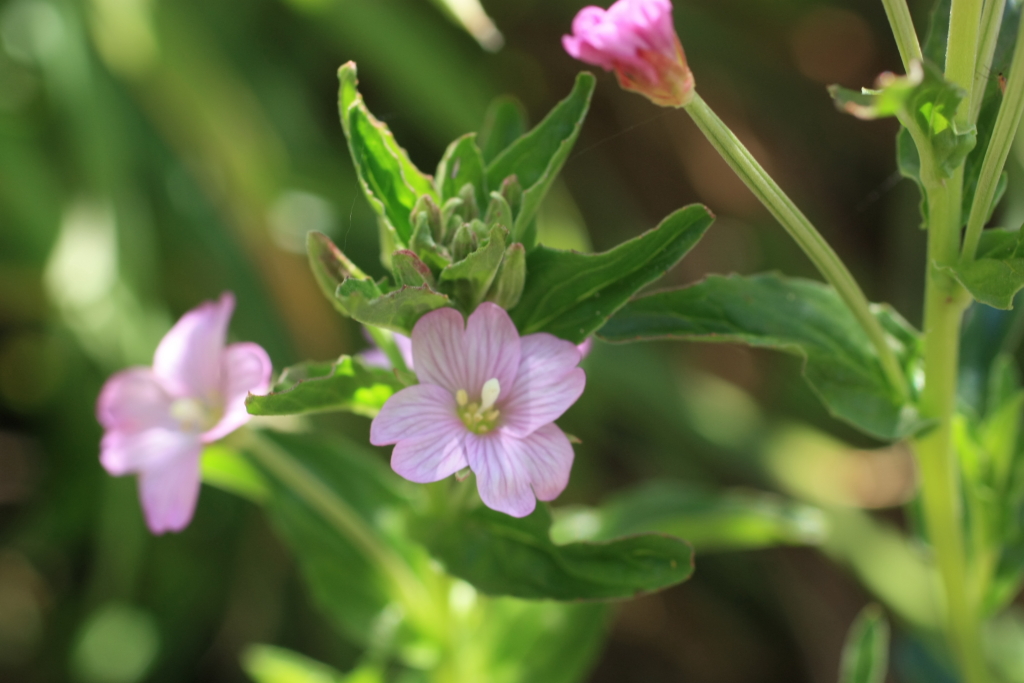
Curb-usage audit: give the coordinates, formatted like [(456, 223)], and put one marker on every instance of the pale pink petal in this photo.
[(548, 382), (547, 456), (586, 347), (419, 410), (245, 368), (502, 477), (169, 493), (376, 358), (455, 357), (133, 400), (424, 459), (188, 359), (127, 452)]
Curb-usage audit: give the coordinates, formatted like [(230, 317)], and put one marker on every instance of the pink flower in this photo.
[(637, 40), (374, 357), (486, 400), (157, 419)]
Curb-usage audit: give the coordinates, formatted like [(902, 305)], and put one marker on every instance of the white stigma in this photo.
[(489, 394)]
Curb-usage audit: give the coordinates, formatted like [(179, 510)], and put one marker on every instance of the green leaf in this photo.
[(347, 586), (391, 182), (866, 652), (471, 278), (346, 384), (711, 520), (571, 295), (330, 266), (923, 100), (797, 316), (537, 157), (269, 664), (462, 164), (503, 555), (229, 470), (397, 311), (997, 273), (504, 123)]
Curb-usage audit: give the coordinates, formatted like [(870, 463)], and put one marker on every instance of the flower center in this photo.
[(193, 415), (481, 417)]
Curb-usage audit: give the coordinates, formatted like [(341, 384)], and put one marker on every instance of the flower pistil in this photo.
[(480, 417)]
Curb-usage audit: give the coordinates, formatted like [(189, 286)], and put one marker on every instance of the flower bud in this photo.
[(464, 243), (637, 40), (508, 284), (410, 271), (424, 246), (426, 206), (499, 212)]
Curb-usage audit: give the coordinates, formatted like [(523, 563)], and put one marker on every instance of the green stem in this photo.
[(802, 231), (345, 520), (962, 52), (991, 22), (998, 149), (903, 30)]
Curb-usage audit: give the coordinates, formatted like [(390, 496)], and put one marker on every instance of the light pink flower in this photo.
[(157, 419), (487, 400), (375, 357), (637, 40)]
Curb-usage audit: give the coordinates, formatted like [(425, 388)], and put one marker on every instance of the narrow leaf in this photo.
[(800, 317), (537, 157), (462, 164), (346, 384), (502, 555), (504, 123), (571, 295), (866, 652)]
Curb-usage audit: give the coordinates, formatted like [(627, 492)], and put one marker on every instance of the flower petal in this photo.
[(188, 358), (547, 383), (132, 401), (245, 368), (502, 478), (126, 452), (169, 493), (547, 456), (424, 459), (419, 410), (457, 356)]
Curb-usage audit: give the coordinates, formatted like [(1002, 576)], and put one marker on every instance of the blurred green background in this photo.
[(154, 153)]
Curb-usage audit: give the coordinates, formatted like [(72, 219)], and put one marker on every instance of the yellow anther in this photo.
[(461, 397), (491, 415)]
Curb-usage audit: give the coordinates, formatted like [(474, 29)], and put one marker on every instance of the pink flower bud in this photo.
[(637, 40)]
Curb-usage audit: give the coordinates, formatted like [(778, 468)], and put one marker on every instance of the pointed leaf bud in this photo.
[(451, 218), (410, 271), (511, 278), (470, 206), (498, 212), (425, 247), (464, 243), (512, 191), (426, 206), (637, 40)]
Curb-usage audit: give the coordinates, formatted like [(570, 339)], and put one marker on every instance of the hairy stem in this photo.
[(998, 149), (903, 30), (803, 232)]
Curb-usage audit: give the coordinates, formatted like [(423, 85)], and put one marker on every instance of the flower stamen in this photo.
[(480, 417)]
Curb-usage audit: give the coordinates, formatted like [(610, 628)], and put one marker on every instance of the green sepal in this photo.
[(471, 278), (796, 316), (346, 384), (537, 157), (997, 273), (397, 311), (423, 244), (463, 243), (462, 164), (504, 123), (866, 651), (499, 213), (410, 271), (511, 278), (330, 266), (713, 521), (470, 206), (571, 295), (391, 182), (503, 555)]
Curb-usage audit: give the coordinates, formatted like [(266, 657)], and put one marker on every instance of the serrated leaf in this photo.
[(571, 295), (389, 179), (797, 316), (997, 273), (712, 521), (504, 123), (346, 384), (462, 164), (866, 651), (397, 311), (503, 555), (537, 157)]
